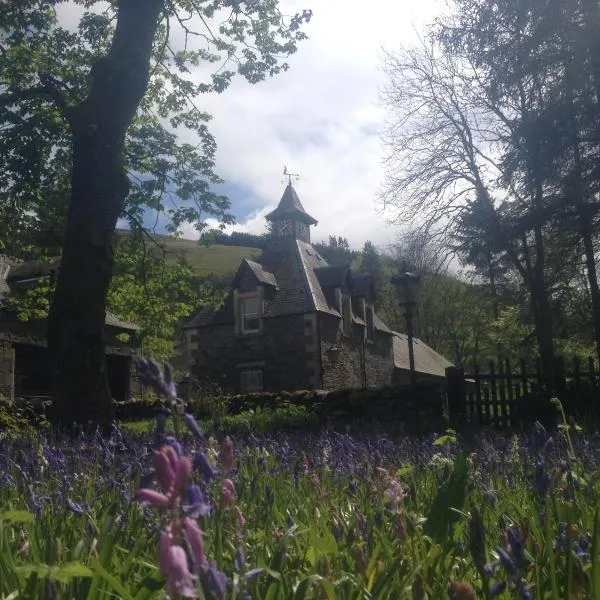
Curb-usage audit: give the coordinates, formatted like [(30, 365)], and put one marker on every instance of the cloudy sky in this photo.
[(321, 118)]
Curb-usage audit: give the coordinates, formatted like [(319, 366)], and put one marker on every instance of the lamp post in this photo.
[(405, 282)]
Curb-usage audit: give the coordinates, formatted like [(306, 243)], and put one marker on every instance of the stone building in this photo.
[(24, 360), (292, 321)]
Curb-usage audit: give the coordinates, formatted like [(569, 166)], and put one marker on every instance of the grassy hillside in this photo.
[(219, 260)]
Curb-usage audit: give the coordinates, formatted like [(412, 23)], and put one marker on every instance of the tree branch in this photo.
[(41, 91)]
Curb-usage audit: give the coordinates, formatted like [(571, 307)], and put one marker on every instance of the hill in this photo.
[(204, 260), (215, 259)]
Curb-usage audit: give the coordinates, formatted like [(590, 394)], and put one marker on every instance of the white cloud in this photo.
[(321, 118)]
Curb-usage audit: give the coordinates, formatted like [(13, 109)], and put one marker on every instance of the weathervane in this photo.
[(289, 175)]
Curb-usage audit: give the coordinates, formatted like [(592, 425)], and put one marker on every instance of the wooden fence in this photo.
[(505, 396)]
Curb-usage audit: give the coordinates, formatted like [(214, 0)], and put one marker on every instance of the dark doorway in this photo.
[(119, 376), (33, 375)]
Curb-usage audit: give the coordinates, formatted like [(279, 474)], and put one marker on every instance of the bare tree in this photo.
[(445, 138)]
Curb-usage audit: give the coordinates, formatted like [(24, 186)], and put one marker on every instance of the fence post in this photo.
[(455, 380)]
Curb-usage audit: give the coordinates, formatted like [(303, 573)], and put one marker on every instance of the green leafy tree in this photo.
[(155, 295), (95, 118)]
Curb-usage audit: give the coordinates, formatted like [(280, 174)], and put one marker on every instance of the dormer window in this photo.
[(250, 314)]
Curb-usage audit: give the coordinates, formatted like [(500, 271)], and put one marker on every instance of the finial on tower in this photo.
[(289, 175)]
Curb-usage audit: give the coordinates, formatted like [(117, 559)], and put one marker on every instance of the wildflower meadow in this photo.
[(177, 512)]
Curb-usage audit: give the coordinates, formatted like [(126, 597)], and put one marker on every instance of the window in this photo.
[(250, 313), (251, 380)]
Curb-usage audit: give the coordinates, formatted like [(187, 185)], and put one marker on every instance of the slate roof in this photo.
[(380, 325), (38, 268), (32, 269), (427, 360), (200, 319), (258, 271), (290, 207), (362, 285), (300, 275), (333, 275), (113, 321)]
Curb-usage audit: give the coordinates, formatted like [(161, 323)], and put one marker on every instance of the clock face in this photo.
[(286, 227), (303, 232)]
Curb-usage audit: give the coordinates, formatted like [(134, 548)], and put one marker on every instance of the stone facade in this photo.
[(279, 351), (353, 361), (291, 321), (24, 358)]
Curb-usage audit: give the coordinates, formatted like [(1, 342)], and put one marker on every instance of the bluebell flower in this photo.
[(76, 508), (198, 505), (201, 462), (193, 426), (542, 479), (239, 561), (170, 441), (216, 582), (517, 548), (497, 588), (506, 561)]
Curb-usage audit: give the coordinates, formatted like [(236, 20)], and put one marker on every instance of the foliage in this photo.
[(155, 295), (45, 63), (336, 251), (492, 146), (325, 515)]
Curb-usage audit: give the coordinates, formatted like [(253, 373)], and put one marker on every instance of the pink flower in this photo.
[(195, 538), (226, 456), (164, 545), (164, 468), (228, 490), (239, 516), (182, 473), (395, 492), (153, 497), (180, 582)]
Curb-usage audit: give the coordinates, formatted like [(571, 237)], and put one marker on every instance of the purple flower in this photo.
[(506, 561), (517, 549), (180, 582), (240, 560), (195, 538), (497, 588), (198, 505), (216, 582), (542, 479), (193, 426), (201, 463), (76, 508)]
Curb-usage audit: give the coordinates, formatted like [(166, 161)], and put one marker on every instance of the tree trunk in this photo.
[(99, 187)]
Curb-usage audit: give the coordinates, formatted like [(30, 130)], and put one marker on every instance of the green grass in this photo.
[(324, 516), (205, 260)]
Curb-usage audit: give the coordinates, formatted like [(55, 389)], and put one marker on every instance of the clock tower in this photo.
[(290, 219)]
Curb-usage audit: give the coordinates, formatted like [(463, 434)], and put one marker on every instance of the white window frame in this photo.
[(250, 316), (251, 380)]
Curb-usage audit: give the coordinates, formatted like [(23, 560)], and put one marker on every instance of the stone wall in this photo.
[(349, 362), (280, 350)]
